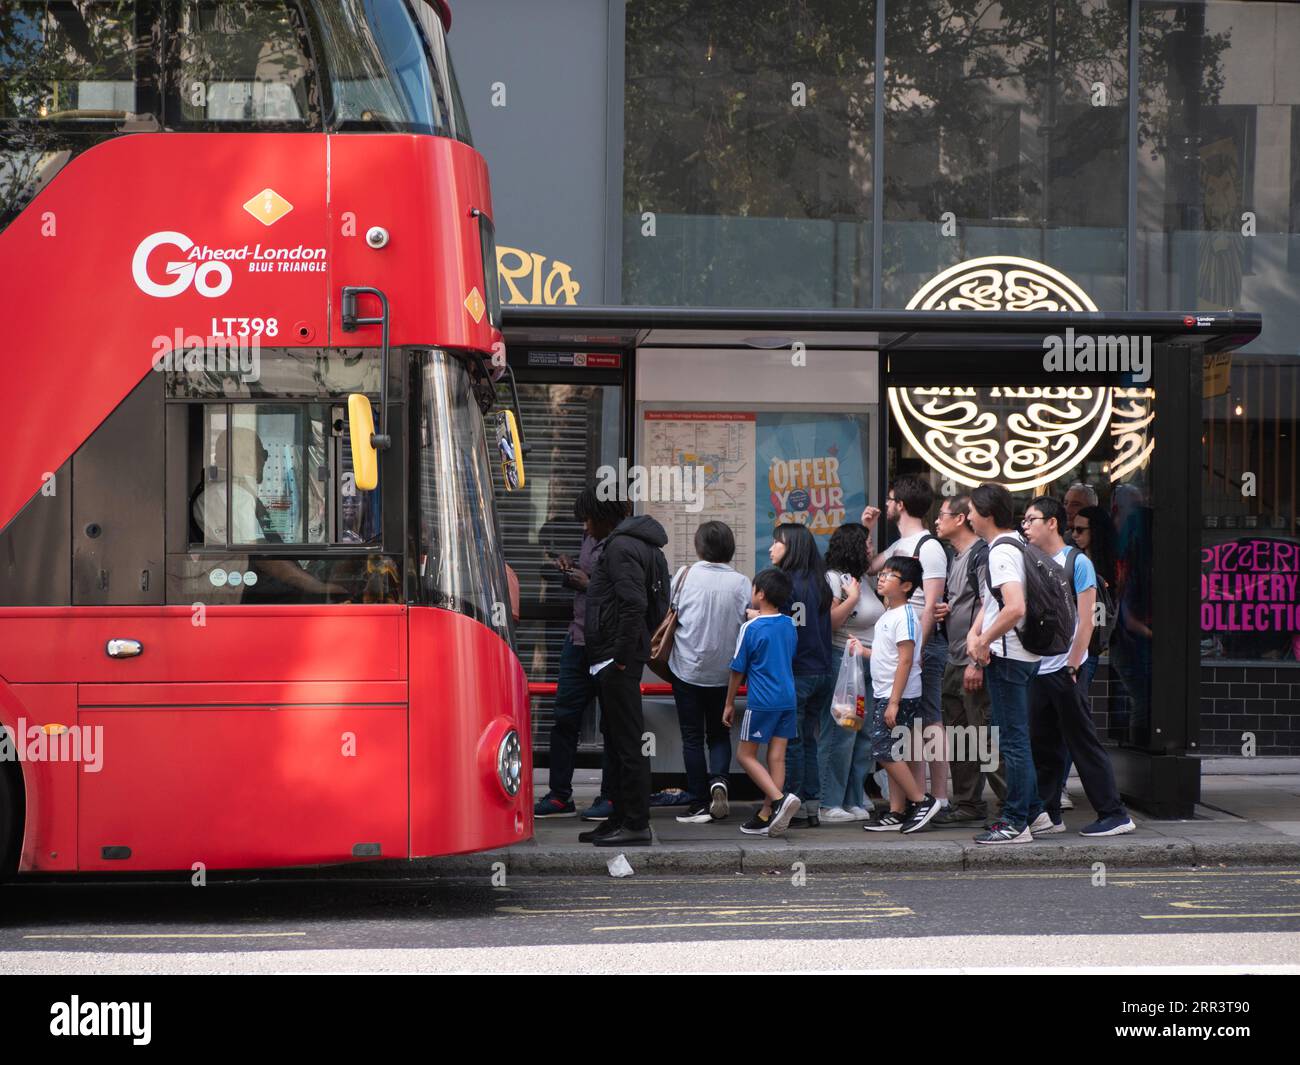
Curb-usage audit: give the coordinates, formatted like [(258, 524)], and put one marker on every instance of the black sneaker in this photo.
[(783, 810), (886, 822), (551, 805), (696, 815), (756, 825), (920, 814), (718, 804), (950, 815)]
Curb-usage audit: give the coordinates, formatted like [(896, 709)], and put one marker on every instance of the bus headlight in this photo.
[(510, 763)]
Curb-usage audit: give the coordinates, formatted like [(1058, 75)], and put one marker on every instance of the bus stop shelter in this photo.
[(910, 353)]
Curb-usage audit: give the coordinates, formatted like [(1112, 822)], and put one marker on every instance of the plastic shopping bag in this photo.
[(849, 703)]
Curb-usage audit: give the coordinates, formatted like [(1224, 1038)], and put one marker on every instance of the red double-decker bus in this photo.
[(233, 233)]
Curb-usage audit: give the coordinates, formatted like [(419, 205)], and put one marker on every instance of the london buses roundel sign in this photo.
[(1017, 436)]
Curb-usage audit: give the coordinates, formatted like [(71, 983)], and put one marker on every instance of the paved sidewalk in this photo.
[(1245, 820)]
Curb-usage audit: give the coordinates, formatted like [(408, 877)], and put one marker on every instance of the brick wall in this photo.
[(1263, 699)]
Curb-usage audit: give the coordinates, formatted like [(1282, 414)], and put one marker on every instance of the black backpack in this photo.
[(949, 554), (979, 560), (1101, 633), (1048, 624), (657, 589)]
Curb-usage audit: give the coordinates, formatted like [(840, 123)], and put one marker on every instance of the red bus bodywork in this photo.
[(227, 744)]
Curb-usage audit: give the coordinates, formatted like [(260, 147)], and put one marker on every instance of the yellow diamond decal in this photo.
[(268, 206), (474, 304)]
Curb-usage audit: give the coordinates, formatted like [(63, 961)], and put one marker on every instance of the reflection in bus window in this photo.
[(381, 75), (67, 61), (358, 511), (265, 475), (279, 451), (460, 561), (239, 61)]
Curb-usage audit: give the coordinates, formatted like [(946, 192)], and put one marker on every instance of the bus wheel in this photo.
[(11, 818)]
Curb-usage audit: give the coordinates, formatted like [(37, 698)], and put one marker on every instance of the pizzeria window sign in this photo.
[(1020, 437), (530, 278), (1251, 585)]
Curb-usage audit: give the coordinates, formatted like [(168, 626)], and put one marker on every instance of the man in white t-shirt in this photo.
[(907, 507), (994, 644), (1059, 715)]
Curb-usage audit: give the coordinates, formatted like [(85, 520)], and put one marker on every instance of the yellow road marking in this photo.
[(1209, 916), (747, 924), (165, 935), (1190, 876), (704, 911)]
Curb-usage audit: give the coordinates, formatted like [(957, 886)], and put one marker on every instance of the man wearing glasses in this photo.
[(1059, 716)]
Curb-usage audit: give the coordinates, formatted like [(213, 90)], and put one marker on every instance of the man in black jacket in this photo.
[(626, 599)]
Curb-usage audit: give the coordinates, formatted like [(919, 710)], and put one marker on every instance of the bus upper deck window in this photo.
[(240, 61), (381, 71), (69, 61)]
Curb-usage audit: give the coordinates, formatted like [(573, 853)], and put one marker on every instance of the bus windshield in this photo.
[(460, 562)]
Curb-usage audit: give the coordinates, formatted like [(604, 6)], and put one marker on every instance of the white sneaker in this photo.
[(718, 805), (836, 814), (1066, 802), (1044, 825), (859, 814), (1002, 832)]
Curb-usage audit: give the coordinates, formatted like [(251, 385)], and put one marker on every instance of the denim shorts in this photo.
[(882, 736), (934, 659)]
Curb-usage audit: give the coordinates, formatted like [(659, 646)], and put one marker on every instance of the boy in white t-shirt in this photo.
[(994, 645), (895, 655), (907, 506)]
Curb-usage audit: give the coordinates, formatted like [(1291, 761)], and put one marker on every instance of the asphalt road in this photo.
[(1211, 917)]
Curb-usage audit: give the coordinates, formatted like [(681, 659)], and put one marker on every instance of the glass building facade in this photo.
[(846, 153)]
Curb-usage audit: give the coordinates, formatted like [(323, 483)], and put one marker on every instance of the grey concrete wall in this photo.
[(547, 147)]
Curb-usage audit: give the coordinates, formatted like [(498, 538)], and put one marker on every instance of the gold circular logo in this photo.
[(1026, 436)]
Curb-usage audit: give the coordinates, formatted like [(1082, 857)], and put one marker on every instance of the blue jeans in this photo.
[(843, 763), (812, 696), (574, 690), (699, 714), (1008, 684)]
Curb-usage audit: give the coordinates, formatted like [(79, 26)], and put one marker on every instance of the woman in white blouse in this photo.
[(711, 599)]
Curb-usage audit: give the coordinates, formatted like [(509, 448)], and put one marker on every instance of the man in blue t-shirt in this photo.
[(764, 660), (1059, 714)]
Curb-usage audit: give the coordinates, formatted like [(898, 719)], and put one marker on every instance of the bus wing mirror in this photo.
[(512, 456), (361, 428)]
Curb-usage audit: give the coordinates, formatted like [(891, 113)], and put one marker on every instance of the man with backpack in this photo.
[(627, 597), (965, 695), (994, 644), (1059, 715)]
